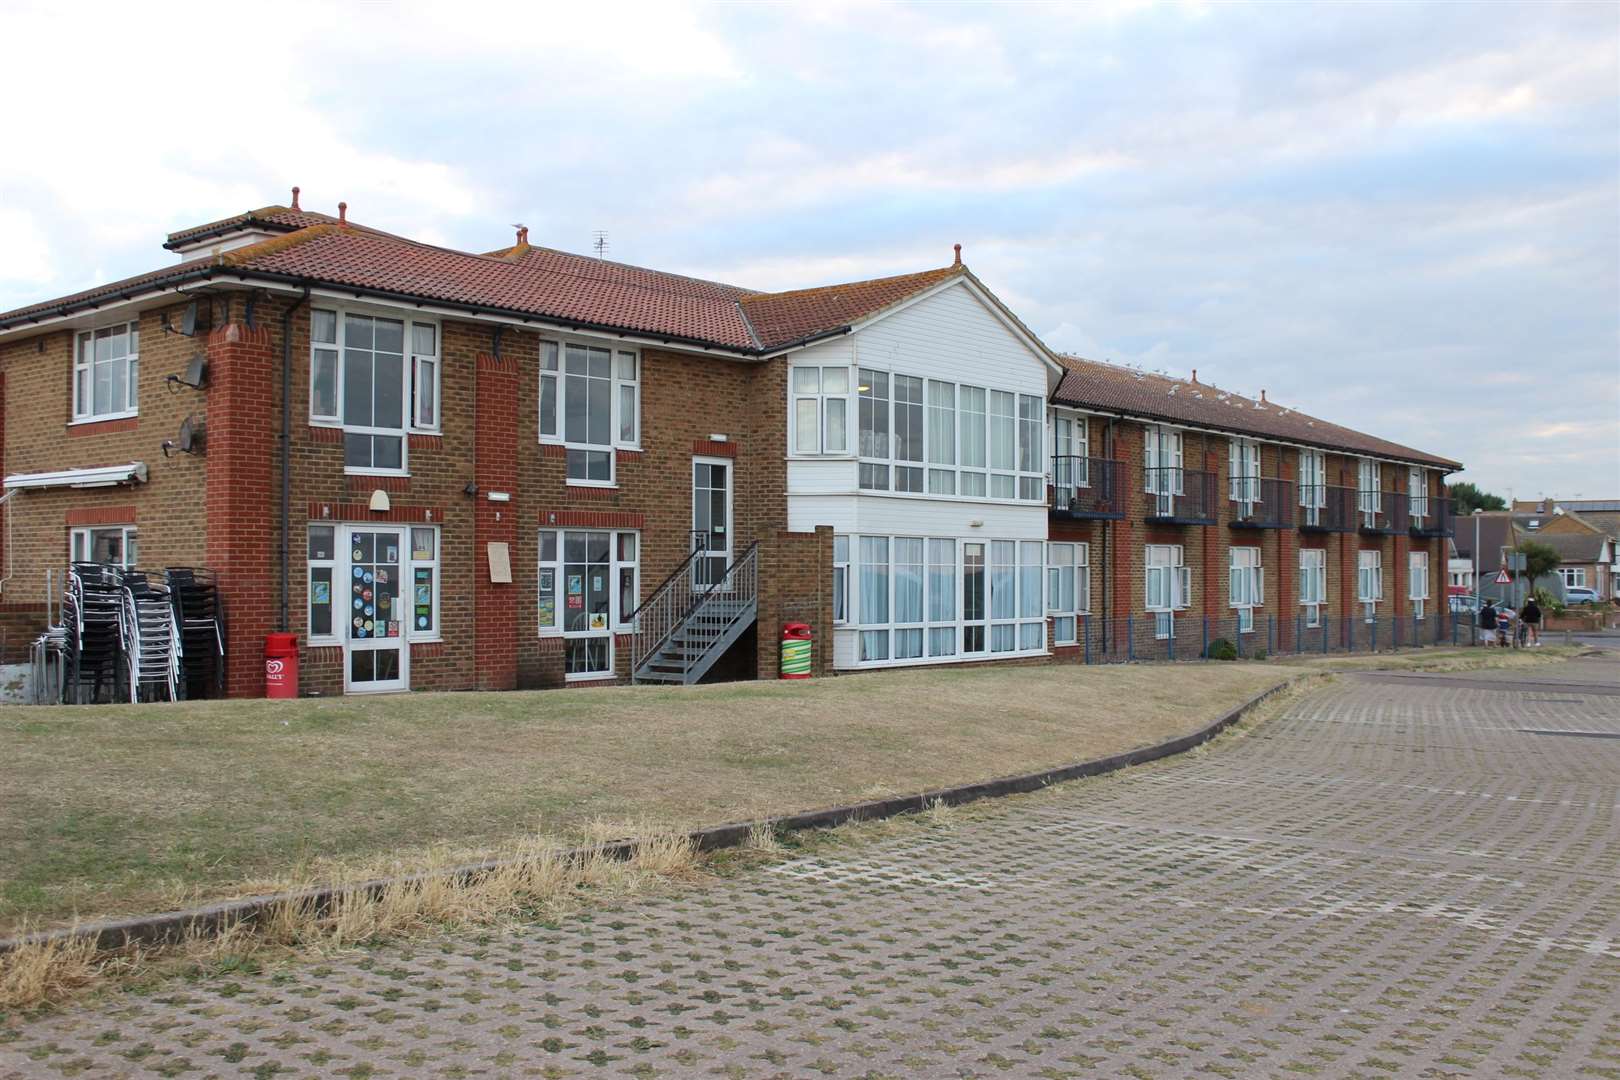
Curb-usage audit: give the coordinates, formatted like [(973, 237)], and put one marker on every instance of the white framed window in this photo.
[(1574, 577), (1417, 574), (907, 590), (424, 376), (1071, 466), (920, 435), (115, 544), (106, 372), (820, 410), (1313, 584), (1245, 585), (1367, 490), (1161, 447), (590, 403), (588, 587), (840, 580), (1312, 485), (1417, 491), (1369, 581), (330, 568), (1168, 586), (375, 378), (1243, 471), (1068, 588)]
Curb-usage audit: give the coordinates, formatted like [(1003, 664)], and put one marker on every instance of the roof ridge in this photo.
[(270, 246), (644, 269), (789, 293)]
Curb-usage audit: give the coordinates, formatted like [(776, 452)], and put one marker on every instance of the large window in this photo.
[(1243, 471), (1369, 581), (1162, 455), (931, 598), (1417, 491), (1068, 588), (1574, 577), (1312, 485), (1245, 585), (589, 586), (590, 402), (1367, 491), (1070, 464), (375, 378), (114, 544), (921, 435), (1168, 586), (821, 410), (1417, 574), (333, 561), (106, 370), (1313, 584)]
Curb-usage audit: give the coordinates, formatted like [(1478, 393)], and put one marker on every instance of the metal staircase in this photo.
[(688, 623)]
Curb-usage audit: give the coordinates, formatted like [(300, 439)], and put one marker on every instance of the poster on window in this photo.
[(598, 621), (576, 592), (548, 599), (322, 591)]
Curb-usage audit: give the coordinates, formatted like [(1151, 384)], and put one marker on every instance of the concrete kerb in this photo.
[(173, 927)]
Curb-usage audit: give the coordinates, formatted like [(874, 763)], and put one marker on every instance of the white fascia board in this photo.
[(996, 308), (101, 476)]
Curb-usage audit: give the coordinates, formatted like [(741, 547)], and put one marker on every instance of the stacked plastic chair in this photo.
[(201, 622), (150, 638), (92, 610)]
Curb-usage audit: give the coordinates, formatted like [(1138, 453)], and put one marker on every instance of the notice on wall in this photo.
[(500, 563)]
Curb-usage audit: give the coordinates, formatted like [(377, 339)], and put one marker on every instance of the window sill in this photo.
[(927, 661), (103, 425), (599, 485), (104, 418), (591, 677)]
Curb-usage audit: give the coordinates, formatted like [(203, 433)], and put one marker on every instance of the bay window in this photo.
[(1068, 588), (1245, 585), (920, 435), (363, 379), (1417, 574), (821, 410), (1313, 584), (590, 403), (106, 371)]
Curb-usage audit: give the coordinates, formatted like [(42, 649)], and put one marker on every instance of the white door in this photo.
[(711, 518), (375, 656)]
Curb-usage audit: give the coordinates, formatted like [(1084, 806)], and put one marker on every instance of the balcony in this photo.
[(1381, 513), (1430, 516), (1324, 508), (1087, 488), (1180, 496), (1261, 503)]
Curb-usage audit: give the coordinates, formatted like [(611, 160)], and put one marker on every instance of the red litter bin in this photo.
[(281, 665), (796, 646)]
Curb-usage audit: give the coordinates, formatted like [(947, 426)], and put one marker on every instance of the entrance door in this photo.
[(711, 518), (587, 615), (375, 656)]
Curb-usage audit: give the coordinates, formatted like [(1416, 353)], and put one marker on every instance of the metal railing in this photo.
[(1430, 515), (1182, 635), (1260, 502), (664, 609), (1326, 508), (1380, 511), (1180, 496), (1087, 487)]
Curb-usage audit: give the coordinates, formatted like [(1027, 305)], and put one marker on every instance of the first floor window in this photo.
[(588, 586), (1417, 566), (1369, 581), (1367, 491), (106, 369), (113, 544), (375, 378), (1313, 584), (1417, 491), (1068, 588), (1246, 585), (821, 410), (590, 401)]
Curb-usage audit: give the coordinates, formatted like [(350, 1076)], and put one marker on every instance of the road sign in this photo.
[(1503, 577)]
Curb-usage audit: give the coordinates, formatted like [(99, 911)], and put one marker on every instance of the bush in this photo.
[(1221, 649), (1258, 654)]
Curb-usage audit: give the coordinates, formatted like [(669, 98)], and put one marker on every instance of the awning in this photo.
[(103, 476)]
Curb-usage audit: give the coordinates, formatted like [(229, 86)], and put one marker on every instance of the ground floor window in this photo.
[(589, 585), (1068, 588), (1246, 583), (1417, 572), (840, 579), (1313, 584), (373, 582), (921, 598), (114, 544), (1168, 588), (1574, 577), (1369, 582)]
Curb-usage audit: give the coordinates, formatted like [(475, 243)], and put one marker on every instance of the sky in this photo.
[(1400, 217)]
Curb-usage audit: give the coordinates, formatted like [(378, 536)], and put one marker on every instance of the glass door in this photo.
[(973, 596), (587, 620), (711, 519), (375, 656)]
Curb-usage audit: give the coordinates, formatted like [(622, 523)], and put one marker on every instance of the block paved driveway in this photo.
[(1392, 878)]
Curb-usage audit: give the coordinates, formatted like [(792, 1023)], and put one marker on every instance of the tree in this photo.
[(1539, 561), (1466, 498)]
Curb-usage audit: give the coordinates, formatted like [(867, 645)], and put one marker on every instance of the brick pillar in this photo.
[(495, 608), (241, 494)]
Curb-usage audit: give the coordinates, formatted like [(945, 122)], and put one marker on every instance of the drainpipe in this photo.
[(286, 447)]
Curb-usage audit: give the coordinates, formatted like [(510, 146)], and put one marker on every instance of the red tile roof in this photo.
[(782, 318), (268, 218), (1112, 388)]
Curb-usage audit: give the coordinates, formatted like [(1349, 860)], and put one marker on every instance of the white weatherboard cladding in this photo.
[(891, 515)]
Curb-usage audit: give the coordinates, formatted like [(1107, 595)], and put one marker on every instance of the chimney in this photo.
[(1263, 398), (958, 261), (343, 214), (522, 234), (295, 197), (1195, 375)]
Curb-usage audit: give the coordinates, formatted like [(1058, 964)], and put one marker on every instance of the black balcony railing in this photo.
[(1087, 487), (1260, 502), (1180, 496), (1380, 511), (1326, 508), (1428, 515)]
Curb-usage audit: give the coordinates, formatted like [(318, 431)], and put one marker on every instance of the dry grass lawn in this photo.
[(122, 809)]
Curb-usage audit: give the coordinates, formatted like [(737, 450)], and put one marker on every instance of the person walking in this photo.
[(1530, 615), (1487, 623), (1504, 624)]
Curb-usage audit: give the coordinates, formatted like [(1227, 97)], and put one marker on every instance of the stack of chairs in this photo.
[(92, 612), (201, 622), (150, 638)]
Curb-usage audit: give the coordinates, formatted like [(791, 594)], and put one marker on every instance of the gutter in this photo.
[(286, 448)]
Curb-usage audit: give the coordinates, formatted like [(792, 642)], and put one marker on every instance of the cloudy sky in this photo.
[(1400, 217)]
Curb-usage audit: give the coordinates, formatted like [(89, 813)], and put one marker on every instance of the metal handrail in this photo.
[(1261, 500), (660, 613), (1087, 486), (1180, 493), (739, 581)]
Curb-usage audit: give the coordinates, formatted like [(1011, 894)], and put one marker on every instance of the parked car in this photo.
[(1464, 605), (1580, 594)]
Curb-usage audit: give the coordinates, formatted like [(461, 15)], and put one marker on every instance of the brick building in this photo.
[(449, 470)]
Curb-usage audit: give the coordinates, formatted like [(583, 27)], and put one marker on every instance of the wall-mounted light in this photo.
[(498, 496)]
